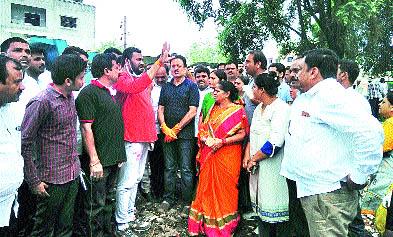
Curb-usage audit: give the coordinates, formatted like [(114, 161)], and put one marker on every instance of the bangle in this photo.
[(94, 164), (224, 141), (158, 63)]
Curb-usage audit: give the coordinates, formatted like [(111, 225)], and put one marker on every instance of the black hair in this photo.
[(101, 62), (220, 74), (128, 52), (232, 62), (269, 82), (279, 67), (229, 87), (112, 50), (244, 79), (120, 60), (324, 59), (351, 68), (75, 50), (35, 49), (6, 43), (67, 66), (220, 64), (389, 96), (3, 67), (258, 56), (182, 58), (201, 68)]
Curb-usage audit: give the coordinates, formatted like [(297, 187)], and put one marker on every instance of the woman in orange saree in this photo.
[(214, 209)]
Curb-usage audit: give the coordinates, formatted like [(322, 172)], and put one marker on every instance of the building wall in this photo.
[(82, 35)]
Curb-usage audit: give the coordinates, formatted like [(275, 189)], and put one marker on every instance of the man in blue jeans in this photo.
[(177, 108)]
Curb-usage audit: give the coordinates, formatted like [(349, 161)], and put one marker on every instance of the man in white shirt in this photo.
[(331, 146), (19, 49), (11, 161), (36, 69), (156, 156), (201, 74), (347, 73)]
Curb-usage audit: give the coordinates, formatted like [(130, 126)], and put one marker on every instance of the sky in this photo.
[(149, 23)]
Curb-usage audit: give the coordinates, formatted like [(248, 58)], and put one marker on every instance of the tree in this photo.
[(354, 29), (205, 52), (108, 44)]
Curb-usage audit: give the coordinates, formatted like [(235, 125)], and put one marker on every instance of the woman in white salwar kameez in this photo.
[(264, 153)]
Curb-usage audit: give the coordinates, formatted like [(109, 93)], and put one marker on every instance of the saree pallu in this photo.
[(214, 209)]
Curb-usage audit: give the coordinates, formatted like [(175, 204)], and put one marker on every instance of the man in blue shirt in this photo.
[(283, 89), (177, 108), (331, 147)]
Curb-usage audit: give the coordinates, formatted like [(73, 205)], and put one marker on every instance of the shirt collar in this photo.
[(110, 89), (317, 87), (54, 91), (173, 79)]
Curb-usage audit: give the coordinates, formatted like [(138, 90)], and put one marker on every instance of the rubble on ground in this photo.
[(174, 224)]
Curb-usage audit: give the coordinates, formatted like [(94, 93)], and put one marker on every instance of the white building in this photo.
[(68, 20)]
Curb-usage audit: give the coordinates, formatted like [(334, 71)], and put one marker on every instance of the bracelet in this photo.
[(158, 63), (92, 165)]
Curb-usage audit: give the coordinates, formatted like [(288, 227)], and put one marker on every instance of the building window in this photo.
[(69, 22), (22, 14), (32, 18)]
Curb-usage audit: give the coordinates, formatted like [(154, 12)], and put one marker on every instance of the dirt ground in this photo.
[(173, 223)]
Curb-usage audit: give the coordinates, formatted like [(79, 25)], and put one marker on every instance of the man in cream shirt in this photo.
[(328, 171)]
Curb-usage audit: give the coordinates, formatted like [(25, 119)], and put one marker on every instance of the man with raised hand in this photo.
[(140, 133)]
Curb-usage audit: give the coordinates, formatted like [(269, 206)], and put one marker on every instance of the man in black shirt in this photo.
[(103, 132)]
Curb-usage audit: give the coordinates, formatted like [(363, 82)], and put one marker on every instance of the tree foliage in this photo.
[(108, 44), (355, 29), (205, 52)]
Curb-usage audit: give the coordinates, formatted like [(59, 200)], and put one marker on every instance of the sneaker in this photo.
[(249, 216), (139, 225), (122, 227), (185, 211), (124, 231), (164, 206)]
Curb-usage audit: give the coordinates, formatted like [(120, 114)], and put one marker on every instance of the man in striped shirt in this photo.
[(53, 168)]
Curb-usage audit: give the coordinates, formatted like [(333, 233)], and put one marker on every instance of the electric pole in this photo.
[(124, 34)]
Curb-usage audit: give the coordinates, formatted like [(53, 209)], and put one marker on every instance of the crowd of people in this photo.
[(292, 147)]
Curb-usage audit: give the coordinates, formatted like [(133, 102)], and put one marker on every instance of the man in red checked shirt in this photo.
[(52, 165)]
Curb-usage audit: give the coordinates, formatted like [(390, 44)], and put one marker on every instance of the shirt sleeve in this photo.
[(132, 85), (86, 107), (363, 129), (194, 95), (279, 127), (35, 115)]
